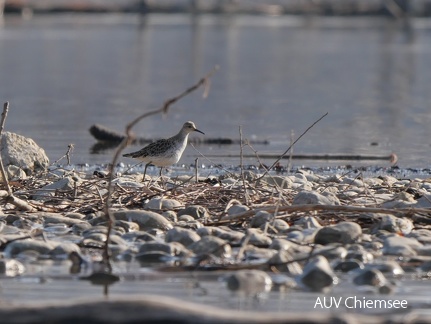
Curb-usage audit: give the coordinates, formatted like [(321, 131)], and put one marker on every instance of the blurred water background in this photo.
[(64, 72)]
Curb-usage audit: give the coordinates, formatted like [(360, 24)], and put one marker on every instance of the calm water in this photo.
[(278, 74)]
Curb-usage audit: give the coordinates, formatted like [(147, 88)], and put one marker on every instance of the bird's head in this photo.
[(190, 126)]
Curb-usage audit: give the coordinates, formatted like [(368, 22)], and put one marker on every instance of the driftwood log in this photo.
[(108, 136)]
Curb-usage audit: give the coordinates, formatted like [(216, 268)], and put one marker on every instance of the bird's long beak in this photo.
[(197, 130)]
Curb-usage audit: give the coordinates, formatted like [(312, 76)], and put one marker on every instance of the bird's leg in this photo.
[(160, 176), (145, 171)]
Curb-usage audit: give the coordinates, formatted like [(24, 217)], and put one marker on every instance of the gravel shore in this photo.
[(338, 235)]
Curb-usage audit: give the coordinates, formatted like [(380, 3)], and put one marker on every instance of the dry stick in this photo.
[(242, 166), (70, 148), (288, 149), (292, 138), (163, 110), (20, 204), (331, 208), (212, 162), (196, 169), (3, 172)]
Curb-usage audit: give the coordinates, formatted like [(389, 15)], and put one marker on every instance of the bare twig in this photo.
[(332, 208), (292, 138), (70, 148), (196, 169), (163, 110), (242, 166), (3, 171), (288, 149)]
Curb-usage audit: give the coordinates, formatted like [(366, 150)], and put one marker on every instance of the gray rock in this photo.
[(15, 173), (317, 274), (67, 183), (237, 209), (128, 182), (185, 218), (280, 225), (190, 224), (425, 267), (127, 226), (196, 211), (331, 252), (147, 259), (170, 215), (424, 201), (163, 204), (22, 152), (426, 250), (11, 267), (314, 198), (360, 255), (156, 246), (343, 232), (348, 265), (144, 218), (75, 216), (400, 246), (253, 253), (53, 218), (282, 261), (387, 266), (370, 277), (249, 282), (224, 234), (308, 222), (182, 235), (64, 249), (394, 224), (211, 245), (282, 182), (295, 236), (422, 235), (257, 238), (281, 244), (16, 247), (260, 218)]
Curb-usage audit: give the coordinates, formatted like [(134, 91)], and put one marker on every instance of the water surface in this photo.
[(64, 73)]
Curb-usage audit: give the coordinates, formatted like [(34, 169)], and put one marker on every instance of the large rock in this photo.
[(23, 152), (249, 282), (315, 198), (146, 219), (344, 232), (318, 274)]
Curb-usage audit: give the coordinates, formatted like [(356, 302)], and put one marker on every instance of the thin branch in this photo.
[(331, 208), (288, 149), (162, 110), (3, 171), (242, 166)]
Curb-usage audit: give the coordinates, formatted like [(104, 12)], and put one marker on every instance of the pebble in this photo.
[(163, 204), (144, 218), (314, 198), (370, 277), (318, 275), (211, 245), (343, 232), (182, 235), (196, 211), (249, 282)]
